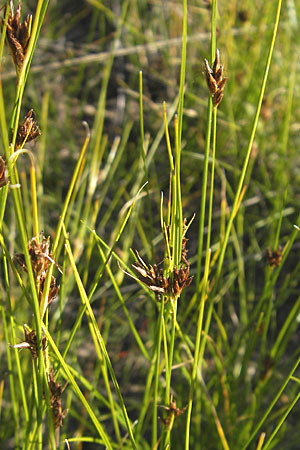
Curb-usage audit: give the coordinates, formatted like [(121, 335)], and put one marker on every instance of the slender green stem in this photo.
[(250, 144), (18, 206), (100, 340), (197, 356), (143, 153), (206, 156), (126, 312), (169, 366), (13, 335), (44, 300), (11, 377), (147, 398), (212, 176), (177, 206), (78, 392), (157, 372), (271, 406), (281, 421), (182, 70)]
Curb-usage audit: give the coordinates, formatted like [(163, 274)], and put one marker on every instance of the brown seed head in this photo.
[(40, 258), (173, 412), (31, 340), (28, 130), (214, 79), (274, 257), (56, 391), (151, 276), (17, 35), (168, 284)]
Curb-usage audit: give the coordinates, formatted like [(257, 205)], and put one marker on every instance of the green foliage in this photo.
[(152, 360)]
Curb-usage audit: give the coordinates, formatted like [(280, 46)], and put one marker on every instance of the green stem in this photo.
[(170, 364), (100, 340), (271, 406), (197, 355), (281, 421), (248, 153), (206, 156), (157, 373), (211, 196)]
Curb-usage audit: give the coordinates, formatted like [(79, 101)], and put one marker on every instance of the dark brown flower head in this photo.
[(152, 277), (3, 180), (181, 280), (56, 391), (169, 286), (274, 257), (31, 342), (30, 338), (215, 80), (41, 258), (173, 412), (161, 282), (53, 291), (28, 130), (17, 35)]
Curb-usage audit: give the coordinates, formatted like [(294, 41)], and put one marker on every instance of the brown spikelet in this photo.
[(17, 35), (30, 338), (40, 258), (56, 391), (274, 257), (214, 79), (30, 342), (172, 412), (28, 130), (169, 285)]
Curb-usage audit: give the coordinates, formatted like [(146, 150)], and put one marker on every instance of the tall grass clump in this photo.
[(149, 216)]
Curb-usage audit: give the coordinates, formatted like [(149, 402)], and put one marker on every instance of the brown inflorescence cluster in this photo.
[(17, 39), (215, 80), (30, 342), (17, 35), (161, 284), (28, 129), (154, 278), (173, 412), (55, 388), (274, 257), (41, 258), (56, 391)]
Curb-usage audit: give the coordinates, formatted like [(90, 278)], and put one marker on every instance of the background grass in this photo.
[(86, 67)]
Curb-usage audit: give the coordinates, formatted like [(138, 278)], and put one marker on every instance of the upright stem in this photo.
[(248, 153), (206, 155), (197, 360), (156, 374)]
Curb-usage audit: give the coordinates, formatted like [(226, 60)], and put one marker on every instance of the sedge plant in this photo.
[(149, 274)]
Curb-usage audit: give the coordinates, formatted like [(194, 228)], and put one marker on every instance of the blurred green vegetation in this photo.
[(86, 68)]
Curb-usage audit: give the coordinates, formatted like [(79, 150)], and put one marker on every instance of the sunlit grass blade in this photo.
[(77, 391), (100, 340)]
